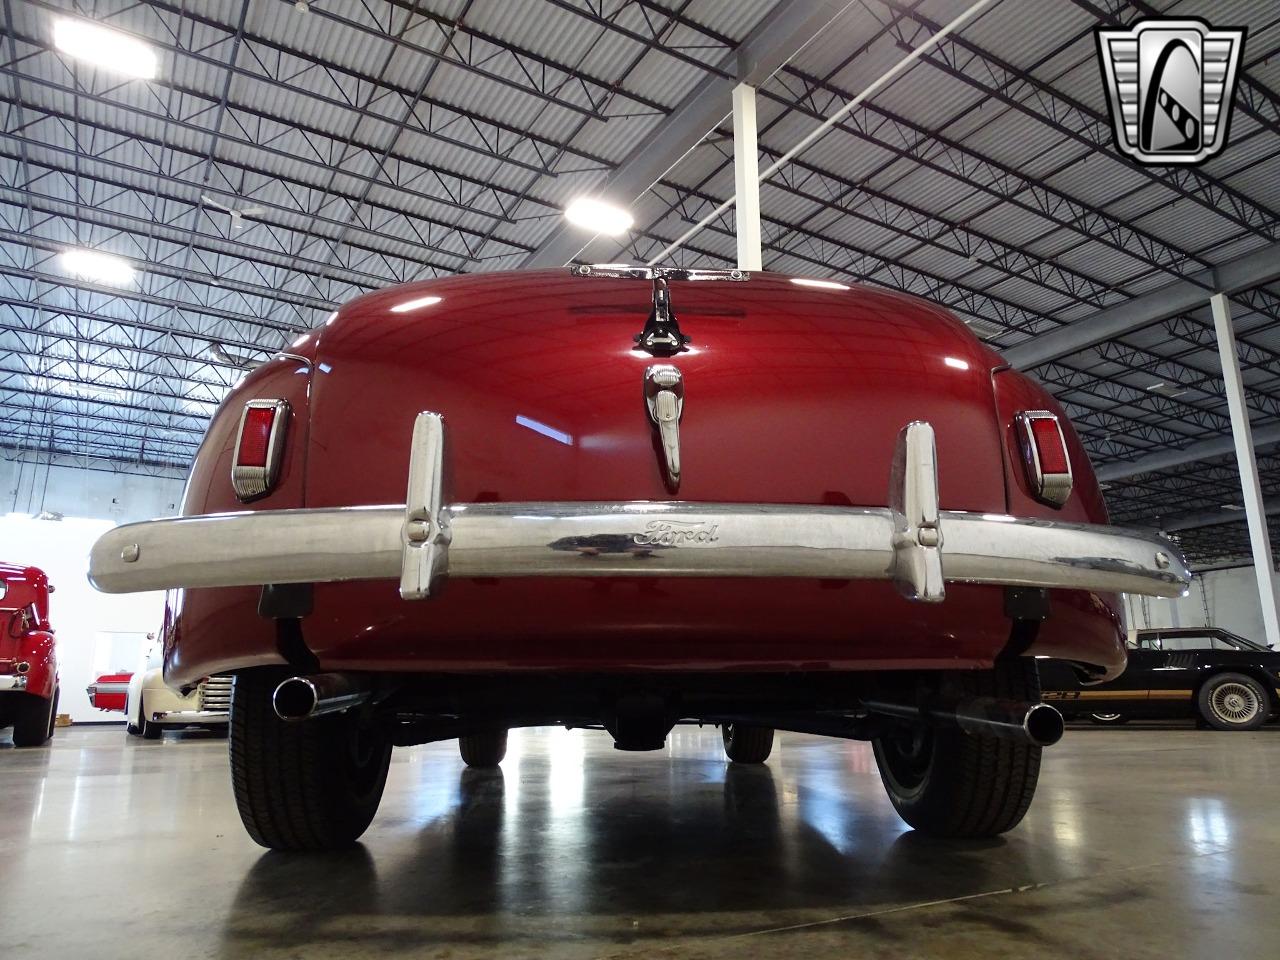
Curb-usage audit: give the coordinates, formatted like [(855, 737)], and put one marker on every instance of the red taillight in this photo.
[(1050, 445), (255, 436), (259, 446), (1044, 455)]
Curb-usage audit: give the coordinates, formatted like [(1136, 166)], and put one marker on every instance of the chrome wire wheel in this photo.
[(1234, 703)]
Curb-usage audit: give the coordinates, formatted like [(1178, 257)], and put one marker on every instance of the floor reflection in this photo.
[(558, 845), (575, 849)]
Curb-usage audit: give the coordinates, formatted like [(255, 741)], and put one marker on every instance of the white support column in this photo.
[(746, 169), (1255, 511)]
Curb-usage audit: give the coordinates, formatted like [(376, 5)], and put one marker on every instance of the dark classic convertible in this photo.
[(1221, 679)]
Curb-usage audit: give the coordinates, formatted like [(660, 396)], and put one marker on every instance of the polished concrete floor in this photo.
[(1141, 843)]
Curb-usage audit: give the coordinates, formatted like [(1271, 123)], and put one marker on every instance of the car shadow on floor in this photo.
[(691, 854)]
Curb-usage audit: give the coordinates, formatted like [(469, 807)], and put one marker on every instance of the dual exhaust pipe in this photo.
[(302, 698), (1035, 723)]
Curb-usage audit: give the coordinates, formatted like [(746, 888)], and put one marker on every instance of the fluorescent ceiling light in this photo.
[(820, 284), (92, 391), (415, 304), (93, 265), (598, 216), (104, 47), (956, 362)]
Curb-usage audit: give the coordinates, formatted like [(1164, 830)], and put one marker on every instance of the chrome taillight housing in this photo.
[(1044, 456), (255, 467)]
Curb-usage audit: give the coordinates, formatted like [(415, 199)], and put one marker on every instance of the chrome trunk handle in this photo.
[(664, 395)]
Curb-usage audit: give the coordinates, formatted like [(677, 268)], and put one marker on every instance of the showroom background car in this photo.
[(28, 655), (151, 707), (109, 691), (1222, 679)]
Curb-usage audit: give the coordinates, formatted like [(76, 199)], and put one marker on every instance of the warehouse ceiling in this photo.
[(288, 156)]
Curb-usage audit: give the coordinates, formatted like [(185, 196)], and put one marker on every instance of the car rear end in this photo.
[(794, 397), (28, 659), (620, 498)]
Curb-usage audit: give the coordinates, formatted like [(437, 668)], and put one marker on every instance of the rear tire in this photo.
[(130, 727), (1233, 701), (309, 785), (483, 751), (32, 720), (53, 711), (746, 744), (147, 729), (948, 783)]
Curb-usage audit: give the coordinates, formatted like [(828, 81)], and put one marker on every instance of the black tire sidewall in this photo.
[(966, 785), (306, 786), (1217, 680), (31, 720), (744, 743), (147, 729), (53, 710), (1108, 721), (483, 751)]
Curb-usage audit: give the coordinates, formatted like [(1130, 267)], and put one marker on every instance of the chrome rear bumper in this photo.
[(910, 542), (180, 718)]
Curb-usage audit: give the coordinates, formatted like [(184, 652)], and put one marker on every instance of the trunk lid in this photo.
[(793, 394)]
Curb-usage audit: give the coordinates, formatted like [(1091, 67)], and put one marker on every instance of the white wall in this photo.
[(97, 633), (30, 485), (1220, 598)]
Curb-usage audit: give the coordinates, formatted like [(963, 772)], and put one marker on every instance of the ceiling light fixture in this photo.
[(598, 216), (415, 303), (820, 284), (94, 265), (104, 47)]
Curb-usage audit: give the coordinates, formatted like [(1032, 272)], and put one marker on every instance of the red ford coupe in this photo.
[(28, 660), (625, 498)]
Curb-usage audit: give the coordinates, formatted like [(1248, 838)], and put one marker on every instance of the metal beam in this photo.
[(1251, 486), (1252, 269), (1167, 459), (746, 172), (1210, 518), (773, 42)]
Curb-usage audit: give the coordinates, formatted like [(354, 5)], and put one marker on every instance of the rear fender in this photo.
[(1061, 635), (209, 490), (1015, 392), (37, 648)]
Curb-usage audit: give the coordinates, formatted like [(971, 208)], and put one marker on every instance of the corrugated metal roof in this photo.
[(374, 142)]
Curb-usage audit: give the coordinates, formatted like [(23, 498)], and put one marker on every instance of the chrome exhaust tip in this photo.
[(301, 698), (1035, 723), (1044, 725)]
